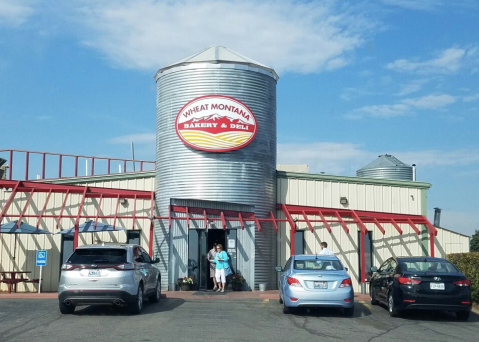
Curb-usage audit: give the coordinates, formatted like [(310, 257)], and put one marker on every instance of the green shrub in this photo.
[(468, 263)]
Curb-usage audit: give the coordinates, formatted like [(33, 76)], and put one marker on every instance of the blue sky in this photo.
[(357, 79)]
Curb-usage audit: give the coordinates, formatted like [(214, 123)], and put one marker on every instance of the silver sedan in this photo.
[(315, 281)]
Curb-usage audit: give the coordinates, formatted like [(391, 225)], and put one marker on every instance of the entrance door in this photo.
[(200, 242)]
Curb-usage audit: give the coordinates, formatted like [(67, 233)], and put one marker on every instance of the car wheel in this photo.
[(463, 315), (393, 312), (155, 298), (66, 309), (138, 304), (280, 299), (374, 301), (286, 309), (348, 312)]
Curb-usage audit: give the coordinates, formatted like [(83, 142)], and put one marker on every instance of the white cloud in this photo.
[(447, 62), (459, 221), (471, 98), (431, 101), (384, 111), (415, 4), (412, 87), (146, 138), (349, 94), (287, 35), (434, 158), (14, 12)]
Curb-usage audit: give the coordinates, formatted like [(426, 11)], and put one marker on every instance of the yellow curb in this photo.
[(265, 300)]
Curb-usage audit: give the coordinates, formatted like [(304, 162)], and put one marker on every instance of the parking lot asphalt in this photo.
[(177, 319)]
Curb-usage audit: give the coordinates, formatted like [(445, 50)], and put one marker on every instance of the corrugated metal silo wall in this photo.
[(245, 176), (400, 173), (179, 238)]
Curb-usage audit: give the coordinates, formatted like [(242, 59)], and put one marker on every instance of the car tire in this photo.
[(286, 309), (155, 298), (137, 306), (393, 312), (280, 300), (374, 301), (463, 315), (348, 312), (66, 309)]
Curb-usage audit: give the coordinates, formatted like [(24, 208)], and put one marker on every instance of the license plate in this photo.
[(437, 286), (320, 284), (94, 273)]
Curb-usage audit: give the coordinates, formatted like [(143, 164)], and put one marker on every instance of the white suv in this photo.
[(113, 274)]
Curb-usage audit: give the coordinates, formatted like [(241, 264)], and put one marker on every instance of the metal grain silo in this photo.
[(189, 171), (387, 167)]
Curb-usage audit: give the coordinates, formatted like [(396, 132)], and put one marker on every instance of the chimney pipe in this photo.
[(437, 217), (413, 172)]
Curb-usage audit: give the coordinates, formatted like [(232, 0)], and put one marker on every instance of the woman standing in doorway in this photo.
[(211, 258), (221, 260)]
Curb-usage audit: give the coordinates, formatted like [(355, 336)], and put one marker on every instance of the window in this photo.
[(110, 256), (288, 264), (385, 266), (133, 237), (317, 264), (427, 266), (146, 257), (299, 242), (137, 255)]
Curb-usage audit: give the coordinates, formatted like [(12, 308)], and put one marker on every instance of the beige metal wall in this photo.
[(369, 197), (18, 251), (448, 242)]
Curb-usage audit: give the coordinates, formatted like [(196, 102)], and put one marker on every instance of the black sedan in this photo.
[(406, 283)]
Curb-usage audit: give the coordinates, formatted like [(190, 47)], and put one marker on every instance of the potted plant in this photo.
[(237, 281), (185, 283)]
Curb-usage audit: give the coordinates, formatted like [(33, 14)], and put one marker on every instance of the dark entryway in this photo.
[(200, 241)]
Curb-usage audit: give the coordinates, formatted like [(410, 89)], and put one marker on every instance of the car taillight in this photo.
[(408, 281), (126, 266), (293, 281), (465, 282), (346, 283), (67, 267)]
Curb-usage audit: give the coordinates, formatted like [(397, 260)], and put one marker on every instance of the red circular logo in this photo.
[(216, 123)]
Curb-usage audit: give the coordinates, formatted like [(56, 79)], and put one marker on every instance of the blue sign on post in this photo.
[(41, 258)]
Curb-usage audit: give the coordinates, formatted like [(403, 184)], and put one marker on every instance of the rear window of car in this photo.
[(99, 256), (428, 266), (324, 265)]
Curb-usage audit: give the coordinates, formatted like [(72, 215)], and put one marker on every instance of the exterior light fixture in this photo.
[(343, 200), (123, 201)]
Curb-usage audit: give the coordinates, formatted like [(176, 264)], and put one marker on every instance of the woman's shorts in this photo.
[(220, 276), (212, 272)]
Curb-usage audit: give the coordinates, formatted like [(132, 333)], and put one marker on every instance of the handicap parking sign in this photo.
[(41, 258)]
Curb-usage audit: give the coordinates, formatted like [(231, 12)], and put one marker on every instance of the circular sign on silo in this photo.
[(216, 123)]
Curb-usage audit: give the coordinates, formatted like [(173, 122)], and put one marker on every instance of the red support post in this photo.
[(240, 217), (134, 212), (27, 159), (60, 166), (44, 208), (274, 222), (187, 218), (43, 165), (116, 210), (150, 242), (431, 244), (206, 219), (75, 238), (169, 216), (292, 224), (258, 225), (363, 259), (77, 220)]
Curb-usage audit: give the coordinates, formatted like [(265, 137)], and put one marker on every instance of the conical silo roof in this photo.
[(386, 167), (218, 55)]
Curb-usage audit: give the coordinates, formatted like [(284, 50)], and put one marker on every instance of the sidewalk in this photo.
[(189, 295)]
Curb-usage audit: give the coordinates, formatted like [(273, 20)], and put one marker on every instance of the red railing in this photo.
[(47, 165)]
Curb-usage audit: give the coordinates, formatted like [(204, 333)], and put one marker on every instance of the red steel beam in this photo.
[(212, 212), (274, 222), (206, 219), (326, 224), (44, 208), (360, 223), (292, 224), (150, 242), (241, 221), (223, 221), (363, 259), (187, 218), (308, 222), (98, 212), (77, 220), (169, 216), (134, 213), (345, 227), (63, 207), (397, 227), (116, 211), (258, 225), (413, 226), (376, 222), (19, 221), (431, 244)]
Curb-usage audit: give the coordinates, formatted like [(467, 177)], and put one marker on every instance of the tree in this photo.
[(475, 242)]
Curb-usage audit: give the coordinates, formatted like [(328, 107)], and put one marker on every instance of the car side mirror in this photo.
[(156, 260), (374, 269), (347, 269), (278, 269)]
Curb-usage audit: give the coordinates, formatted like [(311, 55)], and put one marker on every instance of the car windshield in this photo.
[(98, 256), (317, 264), (428, 266)]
